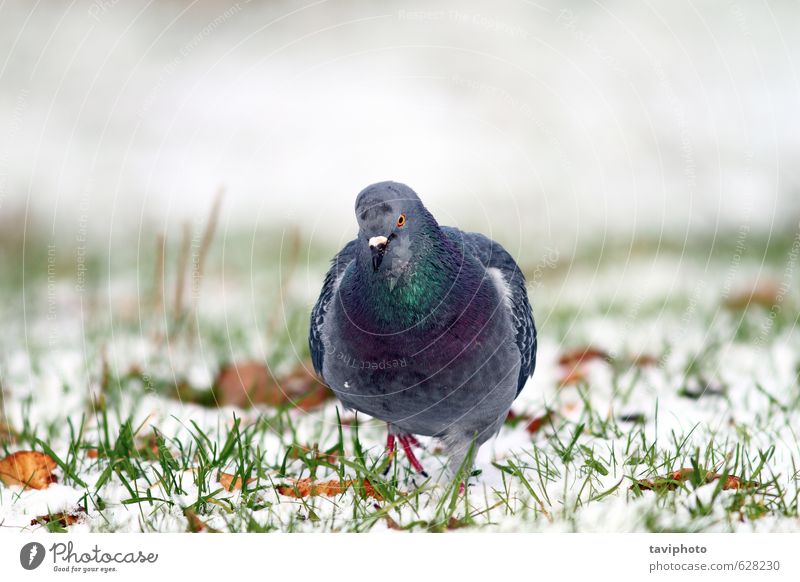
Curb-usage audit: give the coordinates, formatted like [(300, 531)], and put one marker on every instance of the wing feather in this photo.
[(493, 256), (316, 342)]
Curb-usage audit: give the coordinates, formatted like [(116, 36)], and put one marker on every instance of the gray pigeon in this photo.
[(425, 327)]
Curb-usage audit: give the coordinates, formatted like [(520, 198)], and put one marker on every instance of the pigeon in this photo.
[(423, 326)]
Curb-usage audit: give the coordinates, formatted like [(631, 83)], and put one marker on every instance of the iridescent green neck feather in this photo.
[(411, 294)]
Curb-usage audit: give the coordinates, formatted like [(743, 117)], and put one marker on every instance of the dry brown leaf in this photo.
[(572, 377), (645, 360), (573, 364), (246, 383), (149, 443), (763, 295), (303, 388), (392, 524), (28, 468), (532, 424), (578, 356), (370, 491), (196, 524), (230, 484), (146, 446), (454, 523), (735, 483), (536, 424), (513, 416), (298, 451), (674, 479), (307, 487), (65, 518)]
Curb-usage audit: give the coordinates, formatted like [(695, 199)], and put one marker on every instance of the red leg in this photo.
[(413, 440), (412, 458)]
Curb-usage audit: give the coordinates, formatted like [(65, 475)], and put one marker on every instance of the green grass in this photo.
[(140, 443)]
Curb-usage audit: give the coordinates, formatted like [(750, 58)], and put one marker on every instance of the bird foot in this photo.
[(406, 441)]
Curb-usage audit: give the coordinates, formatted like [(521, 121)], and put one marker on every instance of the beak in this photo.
[(377, 244)]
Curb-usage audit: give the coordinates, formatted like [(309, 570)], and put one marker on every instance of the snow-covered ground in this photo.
[(686, 379)]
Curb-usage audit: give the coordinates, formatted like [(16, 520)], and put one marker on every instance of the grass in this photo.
[(717, 394)]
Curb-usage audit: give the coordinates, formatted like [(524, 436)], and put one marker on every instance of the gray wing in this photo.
[(316, 343), (492, 255)]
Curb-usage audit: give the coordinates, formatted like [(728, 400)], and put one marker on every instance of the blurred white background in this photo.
[(544, 120)]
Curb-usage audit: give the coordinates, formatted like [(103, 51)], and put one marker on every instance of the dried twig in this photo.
[(200, 254), (205, 244), (158, 277), (7, 434), (180, 281)]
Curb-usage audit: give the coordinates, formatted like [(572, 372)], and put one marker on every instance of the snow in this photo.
[(47, 388)]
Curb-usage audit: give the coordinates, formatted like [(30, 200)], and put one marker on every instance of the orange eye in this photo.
[(401, 220)]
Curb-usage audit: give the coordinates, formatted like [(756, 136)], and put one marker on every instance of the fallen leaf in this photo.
[(645, 360), (735, 483), (230, 484), (513, 419), (307, 487), (149, 443), (147, 447), (573, 364), (578, 356), (572, 377), (195, 524), (28, 468), (299, 451), (65, 518), (454, 523), (392, 524), (676, 478), (303, 389), (536, 424), (762, 295), (243, 384), (532, 424)]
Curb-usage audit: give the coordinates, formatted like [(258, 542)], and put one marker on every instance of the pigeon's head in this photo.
[(392, 221)]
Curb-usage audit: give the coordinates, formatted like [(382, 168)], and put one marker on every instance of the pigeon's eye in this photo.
[(401, 220)]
